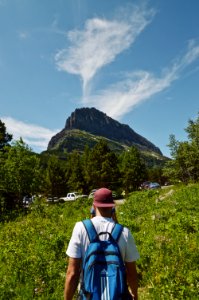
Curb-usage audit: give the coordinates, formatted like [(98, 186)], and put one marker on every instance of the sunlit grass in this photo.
[(164, 225)]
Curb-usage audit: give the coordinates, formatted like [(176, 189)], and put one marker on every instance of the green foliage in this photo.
[(75, 172), (54, 177), (32, 251), (193, 130), (20, 171), (165, 226), (185, 164), (102, 167), (23, 172), (76, 139), (155, 174), (153, 159), (5, 137), (133, 170)]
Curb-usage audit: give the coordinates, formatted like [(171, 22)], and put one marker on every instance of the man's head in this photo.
[(103, 198)]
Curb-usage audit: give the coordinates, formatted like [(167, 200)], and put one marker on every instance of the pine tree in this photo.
[(5, 137), (55, 181), (133, 170), (75, 173)]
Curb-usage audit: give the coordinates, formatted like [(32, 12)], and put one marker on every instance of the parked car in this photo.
[(27, 200), (154, 185), (145, 185), (73, 196)]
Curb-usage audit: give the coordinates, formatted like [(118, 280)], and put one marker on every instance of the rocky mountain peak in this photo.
[(90, 119), (98, 123)]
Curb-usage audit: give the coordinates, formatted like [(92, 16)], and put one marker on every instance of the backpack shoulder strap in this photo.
[(116, 232), (90, 229)]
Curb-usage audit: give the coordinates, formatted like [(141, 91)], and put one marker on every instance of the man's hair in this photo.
[(105, 211)]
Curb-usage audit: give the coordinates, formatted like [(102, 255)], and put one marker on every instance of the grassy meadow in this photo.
[(163, 222)]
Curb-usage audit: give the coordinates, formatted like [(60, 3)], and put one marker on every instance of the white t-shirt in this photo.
[(79, 240)]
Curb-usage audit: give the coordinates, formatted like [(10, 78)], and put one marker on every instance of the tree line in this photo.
[(23, 172), (184, 165)]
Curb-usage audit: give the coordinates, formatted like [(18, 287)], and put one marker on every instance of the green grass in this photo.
[(164, 225), (32, 251)]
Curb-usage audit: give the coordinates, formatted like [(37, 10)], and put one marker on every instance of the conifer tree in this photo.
[(74, 172), (55, 181), (184, 165), (133, 170), (5, 137), (85, 159), (103, 166)]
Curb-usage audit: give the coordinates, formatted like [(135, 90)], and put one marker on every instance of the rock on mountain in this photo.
[(85, 124)]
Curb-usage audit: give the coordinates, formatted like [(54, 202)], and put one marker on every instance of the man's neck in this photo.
[(104, 214)]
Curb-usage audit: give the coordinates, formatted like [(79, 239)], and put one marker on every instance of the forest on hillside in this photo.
[(164, 222), (23, 172)]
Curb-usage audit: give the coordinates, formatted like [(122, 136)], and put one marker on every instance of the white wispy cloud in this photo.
[(23, 35), (36, 137), (101, 41), (191, 55), (121, 97)]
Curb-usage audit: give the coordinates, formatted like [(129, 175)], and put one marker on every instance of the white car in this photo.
[(73, 196)]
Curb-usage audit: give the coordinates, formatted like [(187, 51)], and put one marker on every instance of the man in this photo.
[(103, 222)]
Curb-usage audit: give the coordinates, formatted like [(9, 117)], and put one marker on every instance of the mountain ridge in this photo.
[(97, 123)]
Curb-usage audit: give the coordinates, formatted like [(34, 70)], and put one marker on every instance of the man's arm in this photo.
[(72, 277), (132, 278)]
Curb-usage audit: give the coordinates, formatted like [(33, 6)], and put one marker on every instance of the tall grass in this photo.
[(165, 227)]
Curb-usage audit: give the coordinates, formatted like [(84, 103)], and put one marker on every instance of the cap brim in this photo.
[(97, 204)]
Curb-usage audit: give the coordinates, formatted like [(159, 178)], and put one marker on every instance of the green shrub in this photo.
[(164, 224), (166, 233), (32, 255)]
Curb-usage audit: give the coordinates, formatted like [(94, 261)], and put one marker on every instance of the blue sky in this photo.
[(137, 61)]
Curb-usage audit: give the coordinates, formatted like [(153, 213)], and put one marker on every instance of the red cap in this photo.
[(103, 198)]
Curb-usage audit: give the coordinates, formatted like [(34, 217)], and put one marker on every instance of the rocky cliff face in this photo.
[(97, 123)]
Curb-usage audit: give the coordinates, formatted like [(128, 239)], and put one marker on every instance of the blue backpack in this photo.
[(104, 275)]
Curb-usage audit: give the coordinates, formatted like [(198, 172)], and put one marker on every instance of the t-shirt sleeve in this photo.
[(74, 246), (131, 253)]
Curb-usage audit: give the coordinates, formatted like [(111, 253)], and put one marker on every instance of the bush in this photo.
[(32, 259), (165, 227), (164, 224)]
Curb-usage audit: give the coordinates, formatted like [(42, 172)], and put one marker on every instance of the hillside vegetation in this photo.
[(86, 123), (165, 227), (164, 224), (77, 139)]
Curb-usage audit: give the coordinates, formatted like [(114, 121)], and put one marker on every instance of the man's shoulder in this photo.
[(79, 227), (79, 224)]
